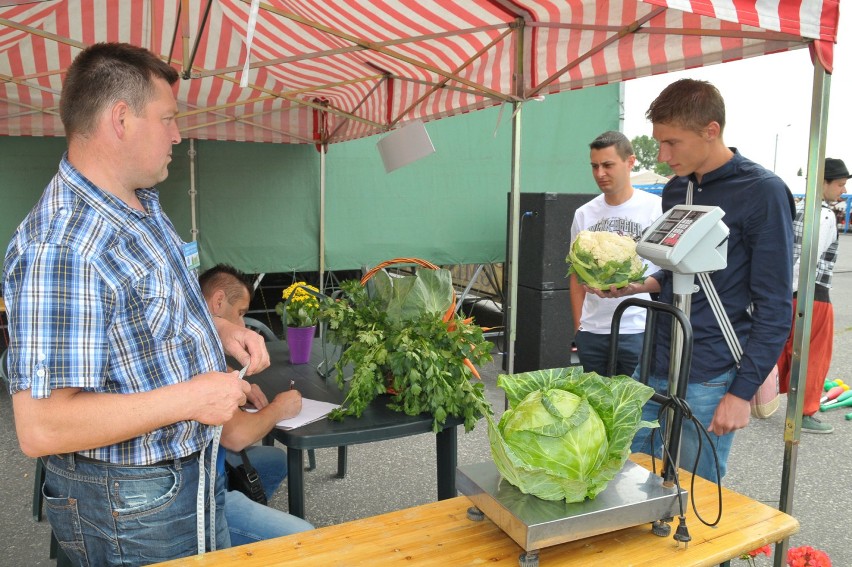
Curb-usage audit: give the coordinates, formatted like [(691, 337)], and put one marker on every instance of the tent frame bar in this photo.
[(509, 307), (805, 294)]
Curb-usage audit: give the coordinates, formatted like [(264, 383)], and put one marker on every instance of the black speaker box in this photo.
[(544, 329), (545, 235)]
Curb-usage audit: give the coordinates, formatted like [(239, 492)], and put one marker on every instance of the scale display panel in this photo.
[(687, 239), (669, 232)]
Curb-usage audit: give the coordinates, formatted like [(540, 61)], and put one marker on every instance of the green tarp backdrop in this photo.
[(258, 204)]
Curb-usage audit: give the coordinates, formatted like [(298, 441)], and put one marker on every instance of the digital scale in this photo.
[(688, 240)]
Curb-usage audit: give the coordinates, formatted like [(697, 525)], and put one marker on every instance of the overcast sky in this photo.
[(766, 98)]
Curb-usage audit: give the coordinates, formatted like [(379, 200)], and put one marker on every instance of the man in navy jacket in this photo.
[(688, 119)]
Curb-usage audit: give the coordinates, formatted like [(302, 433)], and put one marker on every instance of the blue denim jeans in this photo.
[(105, 514), (703, 398), (249, 521), (593, 351)]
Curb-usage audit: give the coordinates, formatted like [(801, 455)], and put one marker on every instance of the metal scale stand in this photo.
[(687, 240)]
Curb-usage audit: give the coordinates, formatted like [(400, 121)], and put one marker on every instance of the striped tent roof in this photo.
[(336, 70)]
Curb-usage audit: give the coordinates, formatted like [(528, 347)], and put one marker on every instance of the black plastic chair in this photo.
[(38, 481), (55, 551), (261, 329), (3, 375)]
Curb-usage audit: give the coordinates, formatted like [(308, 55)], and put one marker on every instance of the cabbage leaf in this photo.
[(566, 433), (405, 298)]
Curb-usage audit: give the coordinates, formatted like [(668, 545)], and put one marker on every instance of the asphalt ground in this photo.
[(396, 474)]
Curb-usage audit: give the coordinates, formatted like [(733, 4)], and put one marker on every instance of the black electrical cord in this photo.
[(667, 457), (682, 533)]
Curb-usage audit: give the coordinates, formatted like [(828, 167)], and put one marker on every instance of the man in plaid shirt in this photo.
[(117, 371)]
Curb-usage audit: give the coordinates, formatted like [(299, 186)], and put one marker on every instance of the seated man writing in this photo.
[(228, 293)]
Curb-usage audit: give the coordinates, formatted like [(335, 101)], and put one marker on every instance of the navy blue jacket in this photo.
[(759, 211)]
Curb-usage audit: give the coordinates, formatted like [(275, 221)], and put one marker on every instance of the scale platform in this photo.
[(635, 496)]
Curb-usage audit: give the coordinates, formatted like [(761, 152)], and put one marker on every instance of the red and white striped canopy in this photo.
[(335, 70)]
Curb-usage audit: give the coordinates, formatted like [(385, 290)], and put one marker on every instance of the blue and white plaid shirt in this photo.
[(99, 297)]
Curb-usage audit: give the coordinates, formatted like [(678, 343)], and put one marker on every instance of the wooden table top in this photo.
[(440, 533)]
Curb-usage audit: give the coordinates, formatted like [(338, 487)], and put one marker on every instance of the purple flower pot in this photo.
[(300, 340)]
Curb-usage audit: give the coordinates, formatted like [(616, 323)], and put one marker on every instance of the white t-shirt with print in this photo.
[(630, 218)]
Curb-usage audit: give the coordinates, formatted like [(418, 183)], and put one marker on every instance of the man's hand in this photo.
[(256, 397), (650, 285), (217, 396), (731, 414), (245, 345), (288, 404), (249, 427)]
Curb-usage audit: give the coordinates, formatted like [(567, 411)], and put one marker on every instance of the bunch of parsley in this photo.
[(419, 359)]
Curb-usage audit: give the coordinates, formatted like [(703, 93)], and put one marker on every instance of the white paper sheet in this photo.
[(312, 410)]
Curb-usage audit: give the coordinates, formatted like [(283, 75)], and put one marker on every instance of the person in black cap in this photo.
[(822, 324)]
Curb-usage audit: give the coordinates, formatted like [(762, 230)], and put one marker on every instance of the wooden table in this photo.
[(440, 533)]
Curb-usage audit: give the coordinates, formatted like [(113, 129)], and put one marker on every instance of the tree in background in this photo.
[(646, 149)]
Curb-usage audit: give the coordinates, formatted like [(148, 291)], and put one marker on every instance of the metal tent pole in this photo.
[(193, 205), (511, 267), (805, 293), (323, 150), (514, 239)]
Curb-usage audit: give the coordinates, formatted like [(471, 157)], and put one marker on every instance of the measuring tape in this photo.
[(202, 498), (211, 497)]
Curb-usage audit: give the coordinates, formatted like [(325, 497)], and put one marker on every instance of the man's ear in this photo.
[(713, 130), (217, 301), (118, 115)]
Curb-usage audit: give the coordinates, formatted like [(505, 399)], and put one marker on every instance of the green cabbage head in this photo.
[(566, 433), (602, 259)]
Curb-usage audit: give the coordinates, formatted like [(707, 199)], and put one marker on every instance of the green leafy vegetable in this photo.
[(566, 433), (407, 297), (399, 341), (604, 259)]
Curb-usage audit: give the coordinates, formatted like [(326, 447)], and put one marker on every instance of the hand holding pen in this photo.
[(290, 401)]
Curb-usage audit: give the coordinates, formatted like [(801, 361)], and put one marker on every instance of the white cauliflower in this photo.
[(607, 246), (603, 259)]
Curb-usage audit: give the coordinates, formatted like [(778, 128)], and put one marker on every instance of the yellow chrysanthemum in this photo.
[(303, 307), (300, 295)]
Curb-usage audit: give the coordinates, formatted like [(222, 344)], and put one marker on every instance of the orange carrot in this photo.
[(469, 364), (449, 313), (451, 326)]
